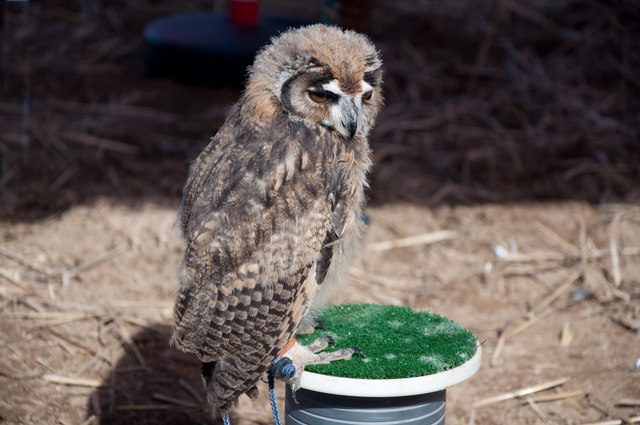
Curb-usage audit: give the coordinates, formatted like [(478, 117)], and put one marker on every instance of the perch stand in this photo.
[(412, 358)]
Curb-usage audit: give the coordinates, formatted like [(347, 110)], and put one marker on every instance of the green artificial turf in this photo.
[(399, 342)]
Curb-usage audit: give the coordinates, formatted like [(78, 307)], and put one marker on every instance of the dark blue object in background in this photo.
[(207, 48)]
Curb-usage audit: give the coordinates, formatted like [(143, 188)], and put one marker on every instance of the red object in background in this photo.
[(244, 13)]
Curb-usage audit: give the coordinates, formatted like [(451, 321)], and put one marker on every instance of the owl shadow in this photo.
[(151, 384)]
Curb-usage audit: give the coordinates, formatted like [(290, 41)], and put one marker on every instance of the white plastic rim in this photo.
[(355, 387)]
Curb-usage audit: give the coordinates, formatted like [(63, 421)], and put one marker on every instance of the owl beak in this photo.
[(350, 119), (344, 118), (352, 127)]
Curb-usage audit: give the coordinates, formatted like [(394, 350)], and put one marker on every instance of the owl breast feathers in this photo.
[(273, 204)]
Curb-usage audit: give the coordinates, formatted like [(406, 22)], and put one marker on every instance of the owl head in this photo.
[(320, 75)]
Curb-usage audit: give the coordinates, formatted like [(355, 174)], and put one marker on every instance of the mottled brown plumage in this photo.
[(273, 204)]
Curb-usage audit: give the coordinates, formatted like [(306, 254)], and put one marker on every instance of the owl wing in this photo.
[(256, 217)]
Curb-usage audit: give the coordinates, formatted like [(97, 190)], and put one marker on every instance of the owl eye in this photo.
[(318, 96), (367, 95)]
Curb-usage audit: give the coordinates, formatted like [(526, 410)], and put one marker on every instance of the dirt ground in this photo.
[(504, 196)]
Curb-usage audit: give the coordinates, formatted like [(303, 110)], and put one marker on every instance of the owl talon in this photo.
[(293, 389), (321, 325), (359, 351)]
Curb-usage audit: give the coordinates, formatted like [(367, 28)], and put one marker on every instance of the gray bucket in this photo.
[(316, 408)]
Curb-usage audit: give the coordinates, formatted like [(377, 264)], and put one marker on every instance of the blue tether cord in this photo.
[(281, 368), (225, 419), (272, 397)]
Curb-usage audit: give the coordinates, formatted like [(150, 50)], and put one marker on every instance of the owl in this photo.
[(272, 208)]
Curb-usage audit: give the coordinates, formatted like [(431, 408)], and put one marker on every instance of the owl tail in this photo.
[(225, 381)]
